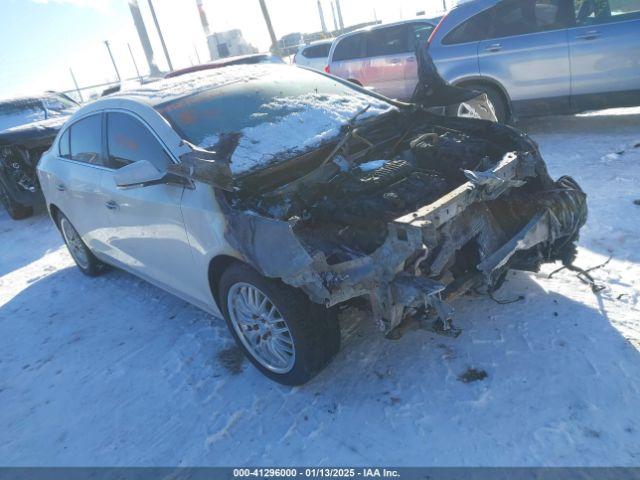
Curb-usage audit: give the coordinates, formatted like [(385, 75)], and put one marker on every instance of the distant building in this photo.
[(229, 44)]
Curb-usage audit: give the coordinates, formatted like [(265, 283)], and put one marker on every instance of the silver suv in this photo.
[(381, 57), (538, 57)]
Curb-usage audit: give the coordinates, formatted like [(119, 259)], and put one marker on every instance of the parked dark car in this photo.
[(28, 127)]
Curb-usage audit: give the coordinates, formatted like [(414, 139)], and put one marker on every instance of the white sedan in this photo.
[(270, 195)]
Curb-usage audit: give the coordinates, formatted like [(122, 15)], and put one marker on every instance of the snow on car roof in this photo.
[(174, 88)]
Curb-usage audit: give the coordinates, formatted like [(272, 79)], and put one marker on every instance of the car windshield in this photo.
[(15, 113), (284, 113)]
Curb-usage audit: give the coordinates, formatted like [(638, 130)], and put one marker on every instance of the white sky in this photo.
[(179, 20)]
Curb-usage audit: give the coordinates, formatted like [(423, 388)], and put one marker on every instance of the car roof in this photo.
[(222, 62), (175, 88), (378, 26)]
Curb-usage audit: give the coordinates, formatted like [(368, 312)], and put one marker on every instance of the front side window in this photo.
[(129, 141), (388, 41), (349, 48), (529, 16), (86, 140), (593, 12)]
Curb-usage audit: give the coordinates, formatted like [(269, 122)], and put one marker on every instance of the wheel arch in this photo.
[(217, 266), (54, 212)]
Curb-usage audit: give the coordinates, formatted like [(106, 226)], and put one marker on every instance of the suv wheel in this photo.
[(85, 260), (16, 210), (286, 336), (493, 96)]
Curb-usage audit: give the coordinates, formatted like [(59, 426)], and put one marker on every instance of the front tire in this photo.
[(286, 336), (85, 260)]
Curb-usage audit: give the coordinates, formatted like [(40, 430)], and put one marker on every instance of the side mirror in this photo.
[(143, 174)]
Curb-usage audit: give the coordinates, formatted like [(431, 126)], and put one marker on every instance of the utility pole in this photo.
[(76, 84), (164, 45), (267, 19), (335, 20), (134, 62), (444, 5), (339, 15), (197, 55), (115, 67), (144, 37), (321, 13)]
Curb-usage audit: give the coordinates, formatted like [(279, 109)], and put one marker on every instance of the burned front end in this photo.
[(20, 150), (407, 211)]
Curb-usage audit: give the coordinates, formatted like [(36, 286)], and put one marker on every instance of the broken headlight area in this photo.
[(407, 214), (18, 168)]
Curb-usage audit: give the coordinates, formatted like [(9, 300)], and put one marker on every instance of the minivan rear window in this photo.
[(349, 48)]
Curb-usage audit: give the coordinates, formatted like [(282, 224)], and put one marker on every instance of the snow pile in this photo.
[(196, 82), (21, 117), (298, 124), (112, 371)]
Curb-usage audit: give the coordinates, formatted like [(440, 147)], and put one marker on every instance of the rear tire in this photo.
[(85, 260), (15, 210), (307, 334), (494, 96)]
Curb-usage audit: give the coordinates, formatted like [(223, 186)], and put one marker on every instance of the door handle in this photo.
[(395, 60), (494, 47), (411, 59), (111, 205), (60, 187), (590, 35)]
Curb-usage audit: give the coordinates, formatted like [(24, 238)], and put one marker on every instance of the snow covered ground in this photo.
[(113, 371)]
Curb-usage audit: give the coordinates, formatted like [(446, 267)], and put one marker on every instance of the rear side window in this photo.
[(86, 140), (63, 145), (473, 30), (349, 48), (593, 12), (530, 16), (317, 51), (129, 141), (388, 41)]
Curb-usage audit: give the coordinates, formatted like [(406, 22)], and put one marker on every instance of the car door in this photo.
[(388, 55), (419, 33), (77, 177), (147, 233), (528, 53), (348, 58), (604, 48)]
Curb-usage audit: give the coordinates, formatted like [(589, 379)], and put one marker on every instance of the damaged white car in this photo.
[(272, 195)]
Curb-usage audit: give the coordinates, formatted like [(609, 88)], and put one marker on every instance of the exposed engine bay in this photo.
[(408, 209)]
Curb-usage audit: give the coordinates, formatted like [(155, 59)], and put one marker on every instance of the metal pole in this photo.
[(444, 5), (335, 20), (339, 15), (321, 13), (134, 62), (164, 45), (267, 19), (115, 67), (144, 37), (76, 84), (197, 55)]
